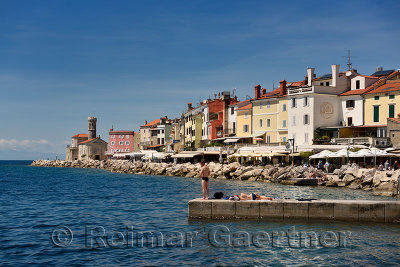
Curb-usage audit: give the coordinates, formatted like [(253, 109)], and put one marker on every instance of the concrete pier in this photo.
[(323, 209)]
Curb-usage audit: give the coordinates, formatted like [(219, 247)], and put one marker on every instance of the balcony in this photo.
[(230, 132), (368, 141)]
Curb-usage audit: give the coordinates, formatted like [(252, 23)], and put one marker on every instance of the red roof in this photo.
[(245, 107), (388, 87), (272, 94), (369, 88), (366, 76), (80, 135), (87, 141), (296, 84), (396, 120), (152, 123), (356, 92)]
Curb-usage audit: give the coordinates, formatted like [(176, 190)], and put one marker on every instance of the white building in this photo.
[(232, 120), (316, 104), (352, 102)]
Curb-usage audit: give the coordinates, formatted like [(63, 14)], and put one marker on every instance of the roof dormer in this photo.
[(362, 82)]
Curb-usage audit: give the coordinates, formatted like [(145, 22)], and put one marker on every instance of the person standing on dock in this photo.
[(204, 174)]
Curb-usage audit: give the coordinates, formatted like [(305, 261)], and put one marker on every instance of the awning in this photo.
[(186, 154), (259, 139), (231, 140)]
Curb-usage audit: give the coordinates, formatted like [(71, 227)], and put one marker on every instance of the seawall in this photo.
[(379, 182)]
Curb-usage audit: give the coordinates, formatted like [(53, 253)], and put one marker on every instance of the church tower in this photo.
[(92, 127)]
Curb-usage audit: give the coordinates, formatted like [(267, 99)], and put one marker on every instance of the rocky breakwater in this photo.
[(379, 182)]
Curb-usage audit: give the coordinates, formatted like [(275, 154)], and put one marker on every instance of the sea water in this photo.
[(66, 216)]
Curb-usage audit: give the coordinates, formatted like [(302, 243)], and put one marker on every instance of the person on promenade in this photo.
[(387, 165), (204, 174), (253, 196), (395, 166), (319, 166), (327, 166)]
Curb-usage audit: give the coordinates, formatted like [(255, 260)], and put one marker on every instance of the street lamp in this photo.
[(348, 148)]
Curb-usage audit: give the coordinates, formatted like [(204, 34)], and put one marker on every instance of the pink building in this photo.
[(120, 141)]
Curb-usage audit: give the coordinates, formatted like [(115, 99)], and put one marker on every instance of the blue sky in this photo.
[(130, 61)]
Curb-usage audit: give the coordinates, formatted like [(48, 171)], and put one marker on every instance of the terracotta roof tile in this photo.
[(80, 135), (87, 141), (388, 87), (396, 120), (245, 107), (152, 123)]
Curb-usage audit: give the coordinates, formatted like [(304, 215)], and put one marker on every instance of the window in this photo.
[(268, 123), (327, 84), (306, 138), (246, 114), (127, 136), (261, 105), (358, 84), (284, 139), (112, 136), (121, 136), (112, 143), (293, 102), (234, 126), (306, 101), (245, 128), (261, 123), (391, 96), (350, 103), (376, 97), (268, 104), (127, 143), (121, 143), (268, 139), (127, 150), (381, 132), (284, 107), (376, 113), (322, 84), (391, 111), (232, 110), (284, 123), (306, 119), (349, 121), (294, 121)]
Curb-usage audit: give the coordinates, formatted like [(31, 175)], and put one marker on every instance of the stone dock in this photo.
[(324, 209)]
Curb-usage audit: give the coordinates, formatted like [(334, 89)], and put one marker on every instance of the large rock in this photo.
[(348, 179)]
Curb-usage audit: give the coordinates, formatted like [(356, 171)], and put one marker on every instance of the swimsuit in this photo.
[(205, 179)]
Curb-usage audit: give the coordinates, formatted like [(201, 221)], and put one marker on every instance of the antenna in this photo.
[(233, 92), (273, 85), (248, 97), (349, 64)]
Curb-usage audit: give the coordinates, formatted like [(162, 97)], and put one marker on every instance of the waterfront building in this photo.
[(316, 105), (176, 140), (122, 141), (244, 120), (269, 115), (87, 146), (193, 119), (381, 103), (155, 134)]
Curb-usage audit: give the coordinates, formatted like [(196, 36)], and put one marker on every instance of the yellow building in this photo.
[(270, 115), (383, 102), (244, 118)]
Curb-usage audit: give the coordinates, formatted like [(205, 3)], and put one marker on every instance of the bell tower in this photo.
[(92, 127)]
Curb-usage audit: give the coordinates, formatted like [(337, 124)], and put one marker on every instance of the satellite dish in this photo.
[(348, 73), (288, 145)]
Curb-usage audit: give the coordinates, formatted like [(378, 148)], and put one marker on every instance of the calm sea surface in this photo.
[(61, 216)]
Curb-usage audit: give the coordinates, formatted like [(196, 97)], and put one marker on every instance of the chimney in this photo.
[(189, 106), (335, 74), (379, 69), (264, 91), (310, 76), (282, 87), (257, 90), (145, 122)]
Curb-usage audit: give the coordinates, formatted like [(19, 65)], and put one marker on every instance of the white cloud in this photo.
[(14, 144)]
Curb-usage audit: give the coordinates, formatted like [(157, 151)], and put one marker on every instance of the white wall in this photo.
[(299, 131), (232, 118), (357, 113)]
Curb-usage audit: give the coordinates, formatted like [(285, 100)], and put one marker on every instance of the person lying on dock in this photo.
[(253, 196)]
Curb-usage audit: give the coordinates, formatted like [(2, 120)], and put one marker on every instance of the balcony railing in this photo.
[(370, 141), (229, 131)]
